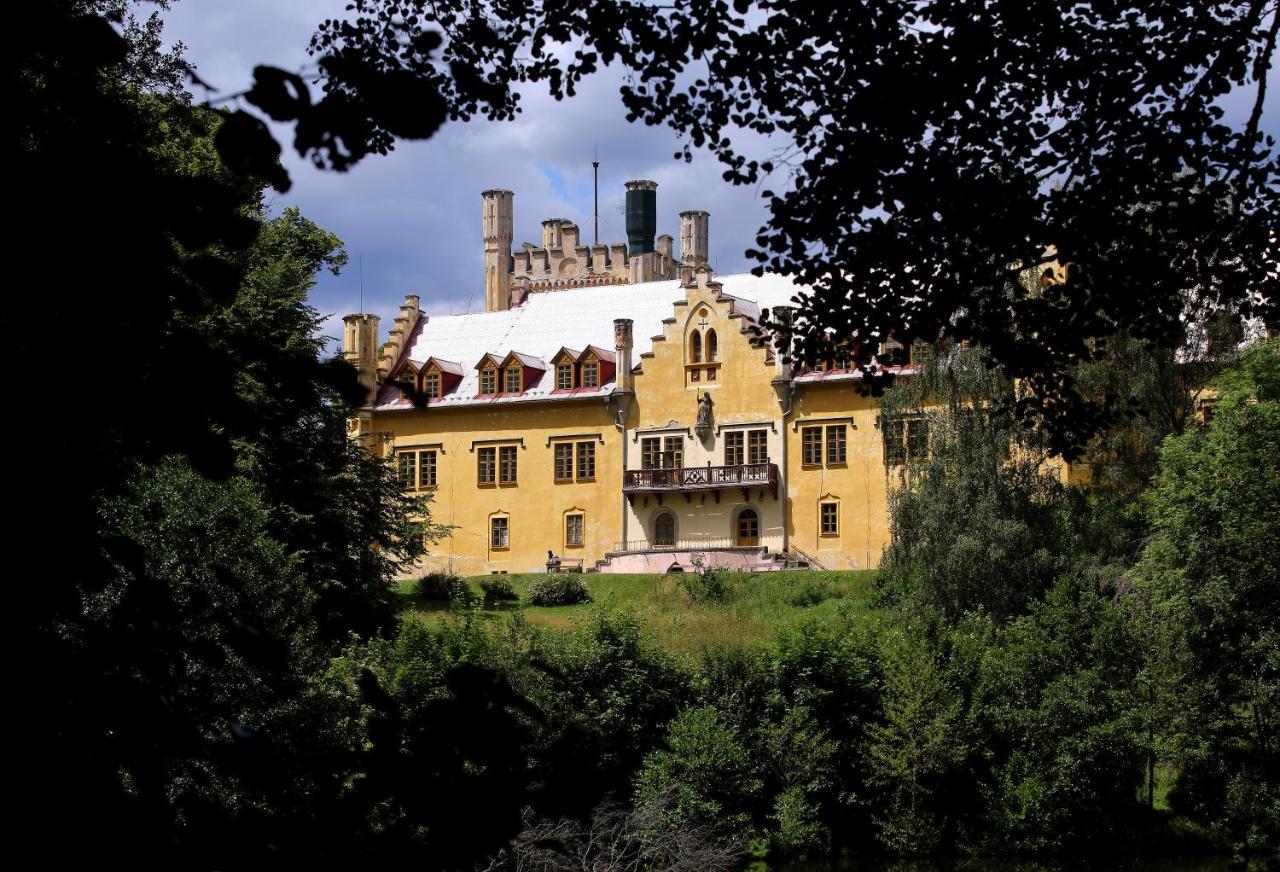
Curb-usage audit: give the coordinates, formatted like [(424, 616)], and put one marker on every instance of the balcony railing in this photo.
[(695, 543), (694, 478)]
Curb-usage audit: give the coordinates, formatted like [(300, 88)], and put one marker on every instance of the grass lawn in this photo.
[(760, 604)]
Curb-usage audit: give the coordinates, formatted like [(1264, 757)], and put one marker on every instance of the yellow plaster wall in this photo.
[(666, 397), (536, 503), (860, 485)]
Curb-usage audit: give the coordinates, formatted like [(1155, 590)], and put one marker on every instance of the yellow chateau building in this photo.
[(612, 407)]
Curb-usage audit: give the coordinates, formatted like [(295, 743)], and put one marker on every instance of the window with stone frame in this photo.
[(651, 453), (590, 374), (499, 533), (426, 469), (431, 385), (757, 446), (673, 452), (507, 464), (514, 380), (586, 461), (734, 453), (564, 461), (918, 438), (713, 347), (829, 518), (836, 444), (564, 376), (486, 465), (893, 431), (811, 446), (488, 381), (407, 469), (574, 530)]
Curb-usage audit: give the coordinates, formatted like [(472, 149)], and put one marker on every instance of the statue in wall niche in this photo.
[(703, 427)]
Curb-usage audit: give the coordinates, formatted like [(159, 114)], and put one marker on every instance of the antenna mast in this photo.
[(595, 184)]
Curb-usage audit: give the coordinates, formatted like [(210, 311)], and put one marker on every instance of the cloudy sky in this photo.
[(411, 220), (413, 217)]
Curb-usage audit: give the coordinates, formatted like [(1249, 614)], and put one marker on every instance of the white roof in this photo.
[(572, 318)]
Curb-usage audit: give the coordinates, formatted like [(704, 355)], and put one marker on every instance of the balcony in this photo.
[(689, 480)]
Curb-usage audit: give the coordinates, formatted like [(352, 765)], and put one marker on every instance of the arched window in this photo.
[(695, 347), (713, 346), (664, 530)]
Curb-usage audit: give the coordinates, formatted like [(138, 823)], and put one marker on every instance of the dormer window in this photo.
[(564, 376), (431, 385), (513, 380), (489, 381), (590, 374), (407, 380)]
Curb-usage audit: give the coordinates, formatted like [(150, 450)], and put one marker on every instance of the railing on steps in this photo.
[(803, 556)]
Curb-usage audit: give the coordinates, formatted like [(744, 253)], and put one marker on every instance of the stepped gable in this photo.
[(570, 318)]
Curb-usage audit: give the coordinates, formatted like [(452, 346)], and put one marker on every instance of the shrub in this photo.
[(811, 593), (558, 590), (707, 583), (498, 588), (440, 586)]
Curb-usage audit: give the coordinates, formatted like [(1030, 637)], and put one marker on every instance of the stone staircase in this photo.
[(758, 559)]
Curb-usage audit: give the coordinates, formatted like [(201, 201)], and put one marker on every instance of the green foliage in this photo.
[(708, 770), (978, 525), (812, 592), (1210, 581), (708, 583), (439, 586), (498, 588), (557, 589), (914, 746)]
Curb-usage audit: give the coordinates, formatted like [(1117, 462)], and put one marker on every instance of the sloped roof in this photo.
[(570, 318)]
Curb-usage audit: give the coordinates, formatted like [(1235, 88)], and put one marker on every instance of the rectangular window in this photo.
[(431, 385), (573, 530), (894, 447), (918, 438), (591, 374), (488, 381), (564, 376), (757, 446), (513, 385), (673, 452), (829, 518), (733, 454), (836, 443), (486, 464), (507, 464), (407, 469), (499, 533), (426, 469), (651, 453), (811, 446), (564, 461), (586, 461)]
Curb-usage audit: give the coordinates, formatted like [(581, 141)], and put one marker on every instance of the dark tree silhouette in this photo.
[(1031, 177)]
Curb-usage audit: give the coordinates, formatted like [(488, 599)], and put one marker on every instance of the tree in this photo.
[(202, 533), (1212, 583), (977, 520), (1033, 179)]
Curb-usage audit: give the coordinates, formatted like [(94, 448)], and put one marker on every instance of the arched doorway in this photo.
[(746, 528), (664, 530)]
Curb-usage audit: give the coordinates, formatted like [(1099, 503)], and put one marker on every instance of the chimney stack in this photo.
[(497, 210), (622, 345), (694, 242), (642, 215)]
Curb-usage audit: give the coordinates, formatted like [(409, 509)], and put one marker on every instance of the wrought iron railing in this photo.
[(708, 477)]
